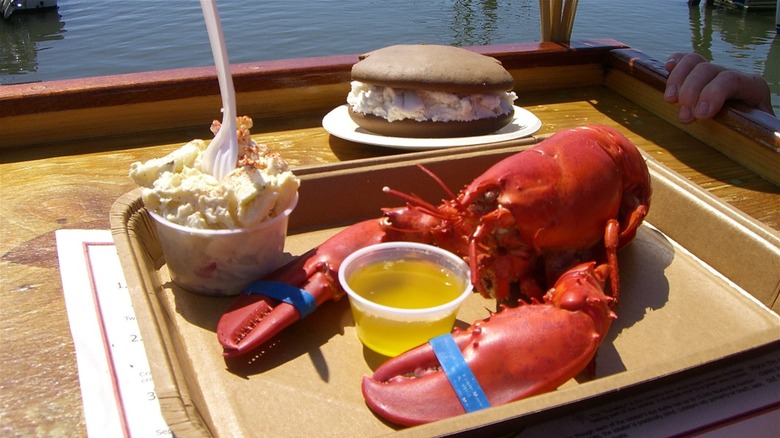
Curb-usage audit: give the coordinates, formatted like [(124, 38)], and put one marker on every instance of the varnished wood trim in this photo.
[(48, 113), (753, 124), (165, 85), (748, 136)]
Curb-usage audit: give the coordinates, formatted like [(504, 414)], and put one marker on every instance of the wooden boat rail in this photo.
[(139, 103), (132, 103)]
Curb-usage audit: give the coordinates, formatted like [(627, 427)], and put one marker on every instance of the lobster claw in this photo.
[(252, 320), (515, 353), (291, 292), (268, 307)]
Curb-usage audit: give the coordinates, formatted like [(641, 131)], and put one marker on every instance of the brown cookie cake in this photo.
[(428, 91)]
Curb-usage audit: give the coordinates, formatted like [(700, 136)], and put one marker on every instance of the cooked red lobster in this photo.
[(576, 197)]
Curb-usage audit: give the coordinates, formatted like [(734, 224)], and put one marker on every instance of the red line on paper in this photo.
[(104, 337)]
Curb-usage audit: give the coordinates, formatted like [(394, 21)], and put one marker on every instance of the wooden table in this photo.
[(71, 184)]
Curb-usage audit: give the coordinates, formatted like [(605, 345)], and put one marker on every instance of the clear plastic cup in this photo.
[(402, 294), (222, 262)]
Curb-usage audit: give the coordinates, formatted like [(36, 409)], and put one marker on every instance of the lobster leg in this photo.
[(515, 353), (611, 240)]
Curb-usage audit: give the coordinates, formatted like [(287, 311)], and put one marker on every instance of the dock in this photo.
[(755, 5), (752, 5)]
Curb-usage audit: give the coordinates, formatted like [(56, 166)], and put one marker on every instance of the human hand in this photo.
[(701, 88)]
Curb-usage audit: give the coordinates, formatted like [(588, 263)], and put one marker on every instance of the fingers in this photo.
[(701, 88), (708, 91), (679, 66), (704, 91), (674, 58), (695, 85)]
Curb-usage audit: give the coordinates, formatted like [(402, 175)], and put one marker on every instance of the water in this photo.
[(86, 38)]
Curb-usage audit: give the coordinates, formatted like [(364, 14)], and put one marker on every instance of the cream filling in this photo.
[(421, 105)]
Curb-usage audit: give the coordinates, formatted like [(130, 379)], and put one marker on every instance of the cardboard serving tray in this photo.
[(697, 284)]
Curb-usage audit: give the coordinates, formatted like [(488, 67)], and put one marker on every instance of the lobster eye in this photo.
[(486, 202)]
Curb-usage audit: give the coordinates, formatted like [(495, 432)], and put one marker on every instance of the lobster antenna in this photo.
[(438, 181), (420, 203), (415, 201)]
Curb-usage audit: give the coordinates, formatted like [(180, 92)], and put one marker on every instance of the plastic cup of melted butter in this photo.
[(222, 262), (402, 294)]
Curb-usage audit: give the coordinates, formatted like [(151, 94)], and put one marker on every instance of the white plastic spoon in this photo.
[(222, 153)]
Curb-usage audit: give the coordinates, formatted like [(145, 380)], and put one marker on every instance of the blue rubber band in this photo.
[(302, 300), (470, 394)]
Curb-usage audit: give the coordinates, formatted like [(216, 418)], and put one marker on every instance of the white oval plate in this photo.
[(338, 123)]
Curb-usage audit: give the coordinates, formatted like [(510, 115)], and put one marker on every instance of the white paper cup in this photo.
[(391, 329), (222, 262)]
